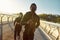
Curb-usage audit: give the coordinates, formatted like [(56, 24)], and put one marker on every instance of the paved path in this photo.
[(39, 35), (8, 33)]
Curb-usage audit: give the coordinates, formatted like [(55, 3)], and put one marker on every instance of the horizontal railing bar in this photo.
[(56, 24)]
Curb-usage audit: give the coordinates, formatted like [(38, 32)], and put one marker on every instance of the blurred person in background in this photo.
[(18, 26)]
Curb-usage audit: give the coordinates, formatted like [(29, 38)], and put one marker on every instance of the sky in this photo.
[(43, 6)]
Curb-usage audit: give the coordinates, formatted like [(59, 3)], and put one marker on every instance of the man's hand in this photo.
[(17, 23), (29, 21)]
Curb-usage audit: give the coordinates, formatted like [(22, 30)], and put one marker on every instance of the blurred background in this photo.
[(47, 10)]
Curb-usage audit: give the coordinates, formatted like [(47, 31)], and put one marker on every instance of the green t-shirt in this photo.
[(35, 21)]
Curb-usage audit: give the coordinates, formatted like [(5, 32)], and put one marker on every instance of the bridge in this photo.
[(46, 30)]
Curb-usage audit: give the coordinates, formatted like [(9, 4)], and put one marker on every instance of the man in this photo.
[(18, 26), (31, 22)]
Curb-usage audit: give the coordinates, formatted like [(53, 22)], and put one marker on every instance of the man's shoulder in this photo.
[(37, 16), (17, 18), (27, 13)]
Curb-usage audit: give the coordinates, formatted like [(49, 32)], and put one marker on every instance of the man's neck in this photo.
[(33, 12)]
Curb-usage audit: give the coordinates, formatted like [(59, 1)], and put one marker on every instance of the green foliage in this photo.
[(50, 17)]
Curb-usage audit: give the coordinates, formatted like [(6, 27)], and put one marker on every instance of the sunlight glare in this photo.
[(9, 6)]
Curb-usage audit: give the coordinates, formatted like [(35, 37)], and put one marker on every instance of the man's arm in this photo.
[(38, 22), (25, 19), (15, 21)]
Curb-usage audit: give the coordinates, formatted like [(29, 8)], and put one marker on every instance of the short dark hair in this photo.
[(33, 4)]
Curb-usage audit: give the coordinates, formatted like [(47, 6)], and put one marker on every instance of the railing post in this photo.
[(1, 28), (58, 33), (8, 18), (12, 19), (49, 30), (0, 31)]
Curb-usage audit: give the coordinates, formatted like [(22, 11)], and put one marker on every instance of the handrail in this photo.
[(7, 22), (50, 28), (2, 23), (57, 24)]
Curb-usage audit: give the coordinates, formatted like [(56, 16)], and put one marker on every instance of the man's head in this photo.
[(20, 14), (33, 7)]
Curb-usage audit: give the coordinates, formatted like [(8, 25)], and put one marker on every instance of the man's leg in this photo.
[(28, 37), (19, 30), (31, 36), (18, 35), (14, 35), (25, 36)]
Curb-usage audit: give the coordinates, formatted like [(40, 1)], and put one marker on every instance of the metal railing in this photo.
[(52, 29), (5, 19)]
